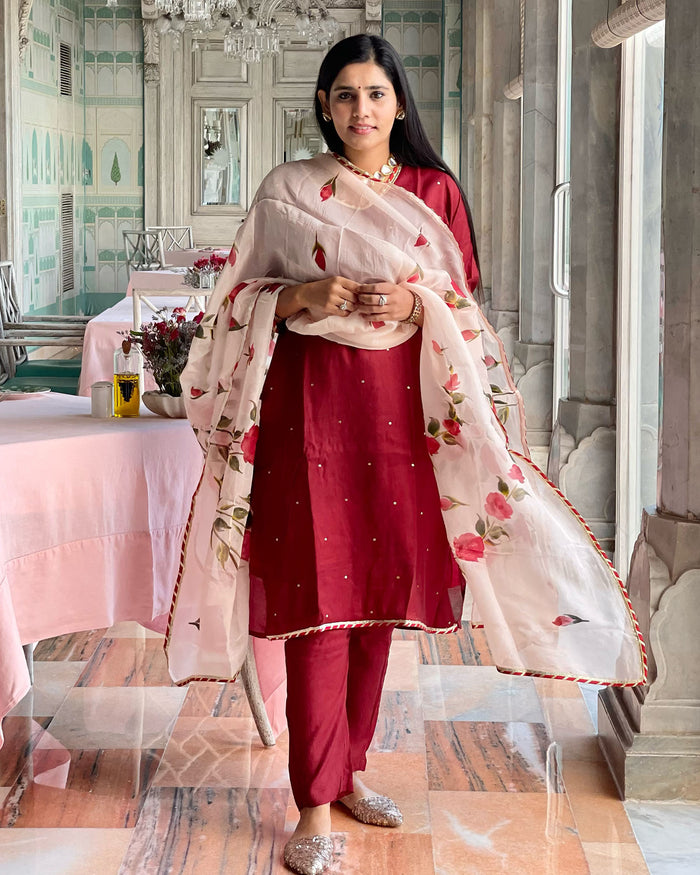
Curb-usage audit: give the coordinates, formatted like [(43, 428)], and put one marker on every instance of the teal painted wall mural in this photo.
[(69, 144), (113, 127), (50, 123)]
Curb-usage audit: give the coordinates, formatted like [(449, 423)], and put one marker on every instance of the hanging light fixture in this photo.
[(257, 33), (252, 32)]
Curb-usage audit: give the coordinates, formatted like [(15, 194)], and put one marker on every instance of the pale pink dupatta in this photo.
[(550, 601)]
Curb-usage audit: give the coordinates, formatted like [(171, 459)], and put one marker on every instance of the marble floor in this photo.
[(108, 768)]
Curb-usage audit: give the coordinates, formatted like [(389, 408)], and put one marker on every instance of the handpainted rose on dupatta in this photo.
[(549, 599)]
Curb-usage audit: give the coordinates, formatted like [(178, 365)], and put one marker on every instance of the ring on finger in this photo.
[(382, 300), (344, 305)]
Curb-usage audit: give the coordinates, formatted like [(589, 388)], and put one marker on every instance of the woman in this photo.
[(366, 255)]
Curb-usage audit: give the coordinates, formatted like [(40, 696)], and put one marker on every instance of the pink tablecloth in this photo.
[(159, 280), (92, 517), (187, 257), (102, 338)]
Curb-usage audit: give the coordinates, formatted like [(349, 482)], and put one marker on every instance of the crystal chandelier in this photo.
[(252, 32)]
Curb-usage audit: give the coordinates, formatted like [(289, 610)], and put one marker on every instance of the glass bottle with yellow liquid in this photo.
[(126, 380)]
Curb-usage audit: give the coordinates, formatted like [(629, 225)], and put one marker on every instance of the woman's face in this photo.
[(363, 105)]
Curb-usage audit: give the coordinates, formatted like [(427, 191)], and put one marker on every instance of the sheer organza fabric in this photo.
[(549, 599)]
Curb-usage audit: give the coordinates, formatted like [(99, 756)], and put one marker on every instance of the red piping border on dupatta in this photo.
[(355, 624), (181, 568)]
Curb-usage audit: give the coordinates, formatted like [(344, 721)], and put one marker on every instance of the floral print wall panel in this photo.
[(70, 144)]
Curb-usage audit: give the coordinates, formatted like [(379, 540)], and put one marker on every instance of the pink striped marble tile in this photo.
[(402, 670), (21, 735), (599, 813), (400, 726), (63, 851), (489, 833), (208, 830), (221, 752), (80, 788), (466, 647), (493, 757), (614, 858), (127, 662), (117, 717), (373, 851), (53, 682), (405, 634), (205, 699), (76, 646)]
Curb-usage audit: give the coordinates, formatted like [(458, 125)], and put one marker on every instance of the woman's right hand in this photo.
[(332, 296)]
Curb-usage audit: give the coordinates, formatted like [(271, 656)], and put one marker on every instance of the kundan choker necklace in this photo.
[(386, 173)]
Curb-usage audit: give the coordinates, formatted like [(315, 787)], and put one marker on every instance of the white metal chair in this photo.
[(18, 331), (174, 236), (144, 250)]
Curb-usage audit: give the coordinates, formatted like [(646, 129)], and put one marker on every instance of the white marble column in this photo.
[(533, 352), (651, 737), (583, 440)]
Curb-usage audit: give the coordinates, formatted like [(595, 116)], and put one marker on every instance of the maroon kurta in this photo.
[(346, 520)]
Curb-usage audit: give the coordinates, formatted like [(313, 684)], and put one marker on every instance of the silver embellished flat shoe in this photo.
[(310, 855), (377, 811)]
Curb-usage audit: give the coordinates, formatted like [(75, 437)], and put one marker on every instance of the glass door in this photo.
[(640, 285), (559, 277)]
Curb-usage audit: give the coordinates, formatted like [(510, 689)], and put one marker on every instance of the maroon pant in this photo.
[(334, 685)]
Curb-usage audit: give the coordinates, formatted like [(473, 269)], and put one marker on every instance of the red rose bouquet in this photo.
[(165, 345), (204, 272)]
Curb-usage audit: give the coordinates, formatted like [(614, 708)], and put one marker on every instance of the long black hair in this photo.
[(408, 142)]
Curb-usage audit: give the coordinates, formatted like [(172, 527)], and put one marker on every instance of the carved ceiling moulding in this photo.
[(151, 37)]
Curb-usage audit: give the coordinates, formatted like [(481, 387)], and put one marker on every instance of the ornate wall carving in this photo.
[(25, 8)]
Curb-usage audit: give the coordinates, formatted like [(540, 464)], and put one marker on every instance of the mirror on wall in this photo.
[(221, 156), (302, 138)]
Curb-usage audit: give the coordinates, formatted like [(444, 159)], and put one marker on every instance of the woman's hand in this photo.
[(385, 302), (332, 296)]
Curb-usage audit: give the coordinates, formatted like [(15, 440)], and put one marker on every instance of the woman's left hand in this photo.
[(384, 302)]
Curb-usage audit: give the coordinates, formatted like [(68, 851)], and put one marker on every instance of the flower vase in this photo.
[(163, 404)]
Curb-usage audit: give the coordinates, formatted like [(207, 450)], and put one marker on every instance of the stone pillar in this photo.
[(651, 737), (164, 122), (534, 351), (11, 46), (503, 312), (151, 114), (584, 439), (468, 97), (483, 138)]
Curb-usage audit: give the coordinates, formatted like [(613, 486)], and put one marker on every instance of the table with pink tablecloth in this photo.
[(158, 280), (102, 338), (93, 513), (187, 257)]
